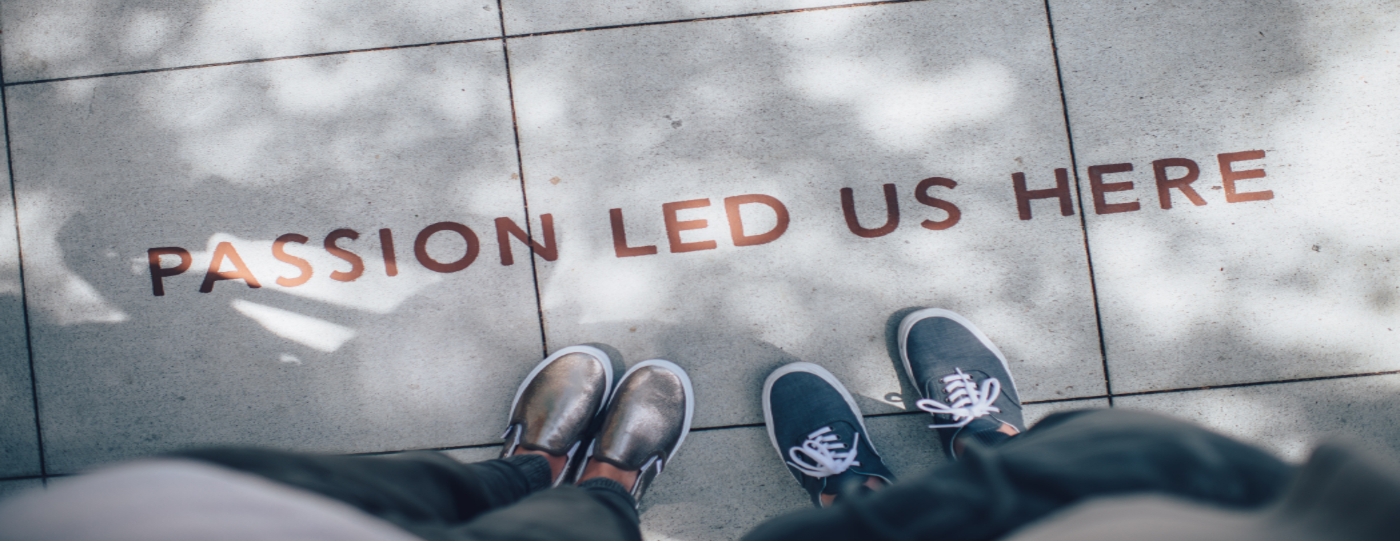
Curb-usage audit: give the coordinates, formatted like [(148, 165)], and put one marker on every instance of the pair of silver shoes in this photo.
[(568, 400)]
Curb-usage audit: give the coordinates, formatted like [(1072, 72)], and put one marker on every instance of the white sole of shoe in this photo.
[(908, 322), (820, 372)]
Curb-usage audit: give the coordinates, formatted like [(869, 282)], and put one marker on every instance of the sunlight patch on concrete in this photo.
[(906, 110), (70, 300), (147, 33), (613, 290), (321, 89), (317, 334), (63, 38)]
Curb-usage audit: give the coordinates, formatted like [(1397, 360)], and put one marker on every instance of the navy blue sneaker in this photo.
[(818, 430), (961, 375)]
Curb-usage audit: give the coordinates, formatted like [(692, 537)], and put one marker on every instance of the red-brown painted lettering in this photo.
[(736, 222), (1229, 176), (1099, 187), (921, 194), (505, 228), (357, 265), (619, 233), (1060, 191), (158, 272), (675, 226), (1165, 185), (386, 245), (279, 251), (420, 247), (240, 271), (848, 208)]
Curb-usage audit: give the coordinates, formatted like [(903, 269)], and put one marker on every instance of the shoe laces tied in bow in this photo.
[(967, 400), (821, 454)]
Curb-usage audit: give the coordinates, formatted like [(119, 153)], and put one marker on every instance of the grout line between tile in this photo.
[(503, 37), (23, 291), (46, 477), (713, 18), (524, 195), (250, 61), (1110, 397), (1083, 212), (899, 413), (1260, 383), (1028, 403)]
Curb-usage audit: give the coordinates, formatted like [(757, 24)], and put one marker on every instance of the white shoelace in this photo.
[(968, 400), (824, 458)]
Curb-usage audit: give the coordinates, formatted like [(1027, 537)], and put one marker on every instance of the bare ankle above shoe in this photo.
[(873, 483), (1005, 429)]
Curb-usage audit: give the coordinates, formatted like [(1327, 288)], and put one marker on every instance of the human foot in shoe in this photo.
[(557, 404), (644, 425), (820, 434), (962, 377)]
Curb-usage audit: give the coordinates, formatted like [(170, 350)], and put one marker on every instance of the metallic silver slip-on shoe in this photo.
[(646, 421), (557, 403)]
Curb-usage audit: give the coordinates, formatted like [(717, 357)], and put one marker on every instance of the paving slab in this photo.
[(45, 39), (1290, 419), (1299, 276), (725, 482), (19, 443), (783, 112), (219, 164), (474, 454), (530, 16), (9, 489)]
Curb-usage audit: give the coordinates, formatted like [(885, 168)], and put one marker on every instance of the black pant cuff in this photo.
[(535, 470), (603, 484)]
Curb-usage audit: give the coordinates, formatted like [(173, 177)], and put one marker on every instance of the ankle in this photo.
[(871, 482), (597, 469), (987, 438)]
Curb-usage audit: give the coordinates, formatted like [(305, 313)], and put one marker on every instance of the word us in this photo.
[(1170, 174)]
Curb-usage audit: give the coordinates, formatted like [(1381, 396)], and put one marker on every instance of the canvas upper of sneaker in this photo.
[(938, 347), (1007, 405), (815, 426)]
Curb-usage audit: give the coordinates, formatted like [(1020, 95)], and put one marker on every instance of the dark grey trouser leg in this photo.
[(596, 510), (1066, 458), (440, 499)]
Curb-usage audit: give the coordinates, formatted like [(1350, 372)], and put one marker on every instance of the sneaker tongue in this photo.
[(845, 431), (934, 386)]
